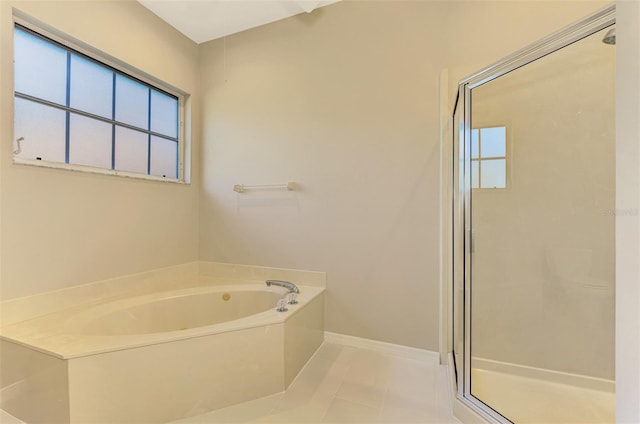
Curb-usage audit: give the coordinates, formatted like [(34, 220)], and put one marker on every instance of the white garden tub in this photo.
[(183, 310), (162, 356)]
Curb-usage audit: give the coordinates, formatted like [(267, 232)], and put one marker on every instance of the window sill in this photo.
[(91, 170)]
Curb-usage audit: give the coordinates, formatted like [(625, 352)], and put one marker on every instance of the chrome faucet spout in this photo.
[(287, 285)]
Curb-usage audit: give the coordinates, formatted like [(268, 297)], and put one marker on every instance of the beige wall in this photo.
[(628, 199), (61, 228), (344, 101)]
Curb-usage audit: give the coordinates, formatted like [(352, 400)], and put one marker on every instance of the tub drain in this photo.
[(226, 297)]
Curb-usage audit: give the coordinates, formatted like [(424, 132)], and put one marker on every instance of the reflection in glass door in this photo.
[(534, 260)]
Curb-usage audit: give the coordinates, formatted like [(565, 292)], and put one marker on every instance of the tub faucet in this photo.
[(287, 285)]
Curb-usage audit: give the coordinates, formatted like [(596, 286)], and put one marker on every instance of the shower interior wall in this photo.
[(544, 247)]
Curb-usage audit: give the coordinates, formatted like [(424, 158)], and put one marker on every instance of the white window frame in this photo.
[(69, 42)]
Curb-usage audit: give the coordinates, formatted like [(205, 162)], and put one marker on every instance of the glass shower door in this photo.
[(536, 186)]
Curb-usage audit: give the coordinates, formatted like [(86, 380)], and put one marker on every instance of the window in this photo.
[(74, 111), (489, 157)]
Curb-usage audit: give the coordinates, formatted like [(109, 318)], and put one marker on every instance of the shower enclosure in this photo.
[(533, 230)]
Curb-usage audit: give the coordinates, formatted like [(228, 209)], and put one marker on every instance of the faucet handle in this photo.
[(293, 298), (282, 305)]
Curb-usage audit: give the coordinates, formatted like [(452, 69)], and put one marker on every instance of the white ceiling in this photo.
[(204, 20)]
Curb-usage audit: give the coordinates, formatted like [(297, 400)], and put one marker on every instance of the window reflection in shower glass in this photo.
[(542, 265), (489, 157)]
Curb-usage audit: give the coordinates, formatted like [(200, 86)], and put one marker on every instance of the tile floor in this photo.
[(349, 385)]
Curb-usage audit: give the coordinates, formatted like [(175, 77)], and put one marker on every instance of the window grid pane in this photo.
[(91, 87), (163, 114), (132, 102), (89, 142), (106, 113), (41, 130), (493, 173), (163, 157), (40, 68), (493, 142), (131, 150), (475, 173), (475, 140)]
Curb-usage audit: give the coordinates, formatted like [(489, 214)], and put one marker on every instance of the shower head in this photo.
[(610, 37)]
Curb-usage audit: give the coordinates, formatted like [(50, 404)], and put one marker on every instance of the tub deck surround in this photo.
[(192, 274), (224, 271), (81, 362), (67, 334), (28, 307)]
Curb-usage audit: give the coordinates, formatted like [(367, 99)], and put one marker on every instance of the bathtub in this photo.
[(161, 356), (180, 311)]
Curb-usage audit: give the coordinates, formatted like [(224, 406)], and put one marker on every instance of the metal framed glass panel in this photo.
[(470, 254), (457, 287)]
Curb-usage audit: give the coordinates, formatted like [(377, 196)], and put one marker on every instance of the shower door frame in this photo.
[(462, 199)]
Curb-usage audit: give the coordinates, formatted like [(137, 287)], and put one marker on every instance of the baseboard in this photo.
[(578, 380), (382, 347)]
